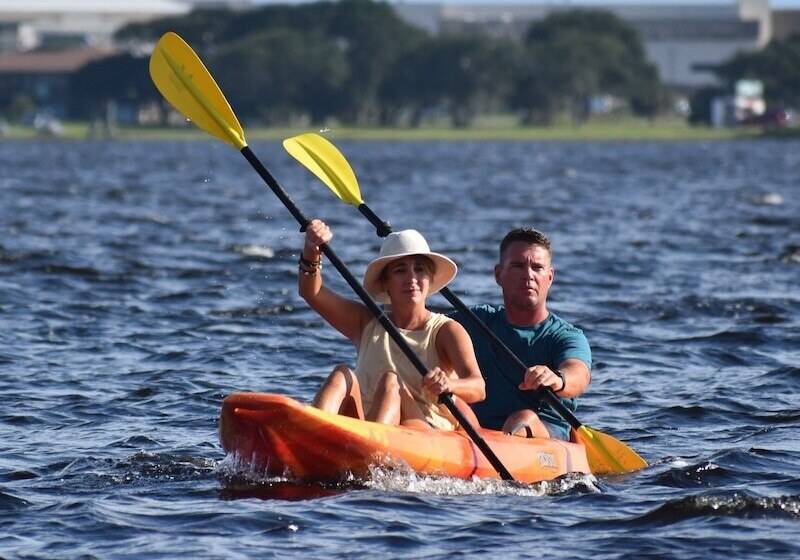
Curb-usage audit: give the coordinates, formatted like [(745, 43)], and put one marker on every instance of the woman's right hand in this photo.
[(436, 382), (317, 233)]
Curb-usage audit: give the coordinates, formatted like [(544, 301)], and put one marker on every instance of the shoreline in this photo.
[(592, 131)]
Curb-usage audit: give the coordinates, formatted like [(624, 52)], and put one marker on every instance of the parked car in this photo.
[(771, 118)]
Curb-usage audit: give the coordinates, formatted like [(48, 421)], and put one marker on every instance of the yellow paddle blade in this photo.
[(184, 81), (607, 455), (325, 161)]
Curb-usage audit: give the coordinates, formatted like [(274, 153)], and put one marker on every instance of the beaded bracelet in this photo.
[(309, 268), (308, 263)]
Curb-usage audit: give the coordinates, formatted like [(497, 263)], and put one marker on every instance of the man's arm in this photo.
[(576, 378), (572, 382)]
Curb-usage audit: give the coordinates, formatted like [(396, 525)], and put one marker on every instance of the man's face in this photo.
[(525, 275)]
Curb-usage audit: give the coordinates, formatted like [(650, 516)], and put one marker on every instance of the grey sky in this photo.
[(774, 3)]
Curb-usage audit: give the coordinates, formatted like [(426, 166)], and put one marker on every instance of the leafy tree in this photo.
[(575, 55), (122, 77), (403, 90), (19, 106), (586, 23), (200, 28), (777, 66), (280, 74), (700, 105), (312, 17), (365, 36), (533, 93), (372, 37), (457, 73), (646, 95)]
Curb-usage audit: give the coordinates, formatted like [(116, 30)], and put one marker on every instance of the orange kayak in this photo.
[(280, 436)]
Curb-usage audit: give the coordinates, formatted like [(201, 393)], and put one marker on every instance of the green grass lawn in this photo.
[(485, 128)]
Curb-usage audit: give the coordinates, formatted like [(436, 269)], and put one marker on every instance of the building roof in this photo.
[(631, 11), (47, 62), (39, 7), (33, 8)]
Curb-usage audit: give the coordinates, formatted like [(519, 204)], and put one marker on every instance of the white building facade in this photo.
[(29, 24), (684, 41)]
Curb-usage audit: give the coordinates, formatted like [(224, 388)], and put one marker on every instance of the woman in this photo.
[(385, 387)]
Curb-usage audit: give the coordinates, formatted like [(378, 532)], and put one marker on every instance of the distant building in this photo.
[(228, 4), (72, 23), (785, 23), (43, 42), (684, 41), (69, 23), (43, 77)]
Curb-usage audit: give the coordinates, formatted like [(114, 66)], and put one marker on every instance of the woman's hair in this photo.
[(427, 262)]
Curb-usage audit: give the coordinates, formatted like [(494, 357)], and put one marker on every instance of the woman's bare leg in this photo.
[(386, 400), (467, 412), (410, 414), (340, 393)]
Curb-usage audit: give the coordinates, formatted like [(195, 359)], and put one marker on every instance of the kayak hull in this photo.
[(280, 436)]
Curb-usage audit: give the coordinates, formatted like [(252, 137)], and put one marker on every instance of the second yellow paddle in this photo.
[(606, 454)]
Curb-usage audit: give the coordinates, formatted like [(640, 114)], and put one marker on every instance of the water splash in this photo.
[(238, 473), (395, 480), (253, 250)]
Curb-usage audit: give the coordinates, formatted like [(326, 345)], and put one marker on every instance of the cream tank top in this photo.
[(378, 353)]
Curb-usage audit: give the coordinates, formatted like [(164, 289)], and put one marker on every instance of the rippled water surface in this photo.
[(140, 283)]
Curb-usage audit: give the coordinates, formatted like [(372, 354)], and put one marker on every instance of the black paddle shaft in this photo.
[(446, 398), (383, 229)]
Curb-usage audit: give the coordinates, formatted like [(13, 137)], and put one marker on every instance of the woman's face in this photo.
[(408, 279)]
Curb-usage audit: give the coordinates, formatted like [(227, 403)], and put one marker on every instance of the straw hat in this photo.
[(402, 244)]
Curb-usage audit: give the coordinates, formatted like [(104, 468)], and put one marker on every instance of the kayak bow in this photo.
[(280, 436)]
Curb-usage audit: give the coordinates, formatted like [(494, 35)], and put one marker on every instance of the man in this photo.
[(557, 353)]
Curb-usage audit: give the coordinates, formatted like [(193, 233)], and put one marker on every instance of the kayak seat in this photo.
[(520, 426)]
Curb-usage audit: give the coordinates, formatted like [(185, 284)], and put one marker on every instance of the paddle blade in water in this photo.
[(607, 455), (325, 161), (184, 81)]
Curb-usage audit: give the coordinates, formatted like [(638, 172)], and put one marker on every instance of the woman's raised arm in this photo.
[(346, 316)]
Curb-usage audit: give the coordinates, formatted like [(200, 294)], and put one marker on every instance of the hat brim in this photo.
[(445, 271)]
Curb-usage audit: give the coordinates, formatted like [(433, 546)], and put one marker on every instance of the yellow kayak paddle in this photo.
[(606, 454), (186, 83)]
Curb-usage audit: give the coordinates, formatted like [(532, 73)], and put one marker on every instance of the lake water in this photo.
[(140, 283)]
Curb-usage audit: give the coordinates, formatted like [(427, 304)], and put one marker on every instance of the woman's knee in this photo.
[(341, 374), (342, 369), (390, 383), (340, 393), (467, 412)]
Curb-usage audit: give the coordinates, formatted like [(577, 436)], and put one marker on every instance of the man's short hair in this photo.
[(528, 235)]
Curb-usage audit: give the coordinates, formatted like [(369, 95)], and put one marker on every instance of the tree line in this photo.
[(357, 62), (777, 66)]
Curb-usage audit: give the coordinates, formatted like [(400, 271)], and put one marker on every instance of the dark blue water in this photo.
[(140, 283)]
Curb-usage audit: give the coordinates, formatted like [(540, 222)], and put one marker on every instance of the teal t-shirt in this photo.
[(549, 343)]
